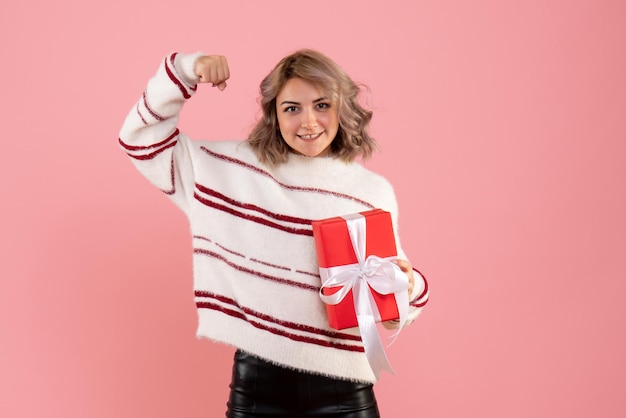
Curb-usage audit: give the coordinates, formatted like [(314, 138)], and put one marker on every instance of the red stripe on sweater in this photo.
[(281, 333), (286, 324), (152, 154), (256, 219), (145, 122), (254, 260), (252, 207), (147, 147), (265, 263), (308, 273), (230, 251), (419, 305), (175, 79), (424, 292), (283, 185), (150, 110), (255, 273), (173, 63), (172, 189)]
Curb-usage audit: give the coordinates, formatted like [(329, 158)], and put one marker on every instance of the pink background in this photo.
[(502, 126)]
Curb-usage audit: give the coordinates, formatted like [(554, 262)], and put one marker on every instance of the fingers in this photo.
[(212, 69), (406, 267)]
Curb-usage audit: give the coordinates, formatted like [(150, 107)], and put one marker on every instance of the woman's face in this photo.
[(307, 119)]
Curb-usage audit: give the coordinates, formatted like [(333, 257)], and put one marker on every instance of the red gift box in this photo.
[(335, 248)]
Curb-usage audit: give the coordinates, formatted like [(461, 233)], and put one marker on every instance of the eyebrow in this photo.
[(289, 102)]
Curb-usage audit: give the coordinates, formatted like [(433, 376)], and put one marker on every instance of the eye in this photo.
[(290, 109), (323, 105)]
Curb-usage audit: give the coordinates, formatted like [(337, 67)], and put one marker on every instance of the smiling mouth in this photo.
[(310, 137)]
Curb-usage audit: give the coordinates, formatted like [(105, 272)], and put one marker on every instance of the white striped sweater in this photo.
[(256, 277)]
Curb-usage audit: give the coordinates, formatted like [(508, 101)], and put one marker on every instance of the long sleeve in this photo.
[(150, 136)]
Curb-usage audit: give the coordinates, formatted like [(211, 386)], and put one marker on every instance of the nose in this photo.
[(309, 119)]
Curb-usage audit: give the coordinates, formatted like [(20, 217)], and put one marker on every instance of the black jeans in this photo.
[(261, 389)]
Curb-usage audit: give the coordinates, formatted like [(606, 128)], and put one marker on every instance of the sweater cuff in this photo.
[(420, 288), (185, 64)]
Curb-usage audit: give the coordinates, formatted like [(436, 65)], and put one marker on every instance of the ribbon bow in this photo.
[(371, 272)]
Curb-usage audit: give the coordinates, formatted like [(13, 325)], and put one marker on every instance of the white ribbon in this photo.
[(373, 272)]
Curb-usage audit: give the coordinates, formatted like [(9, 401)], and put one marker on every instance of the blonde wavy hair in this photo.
[(352, 140)]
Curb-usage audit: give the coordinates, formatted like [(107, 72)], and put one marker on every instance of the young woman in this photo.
[(250, 205)]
